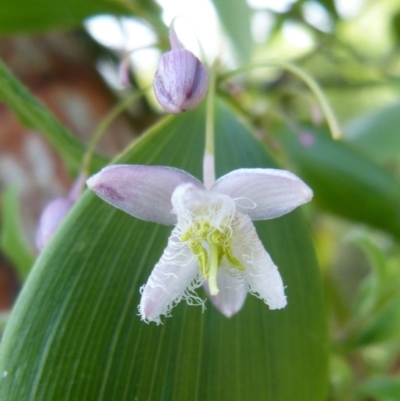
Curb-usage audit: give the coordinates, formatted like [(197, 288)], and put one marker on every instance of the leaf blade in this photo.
[(13, 243), (376, 134), (345, 182), (97, 349), (23, 16)]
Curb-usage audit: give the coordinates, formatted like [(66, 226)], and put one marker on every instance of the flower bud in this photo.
[(55, 211), (181, 79), (53, 214)]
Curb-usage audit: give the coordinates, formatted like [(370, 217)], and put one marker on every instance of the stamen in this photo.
[(207, 229)]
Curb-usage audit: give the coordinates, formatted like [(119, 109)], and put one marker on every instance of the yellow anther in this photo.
[(215, 237), (232, 260), (219, 245), (185, 236)]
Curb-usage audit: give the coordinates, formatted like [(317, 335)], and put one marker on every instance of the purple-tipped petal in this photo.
[(52, 216), (172, 279), (261, 274), (142, 191), (180, 82), (264, 193), (232, 292)]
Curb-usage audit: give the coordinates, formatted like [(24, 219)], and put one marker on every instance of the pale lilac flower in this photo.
[(181, 80), (52, 215), (214, 242), (55, 212)]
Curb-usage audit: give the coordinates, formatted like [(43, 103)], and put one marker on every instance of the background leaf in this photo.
[(377, 134), (22, 16), (382, 388), (13, 243), (380, 326), (34, 115), (344, 181), (75, 335), (235, 17)]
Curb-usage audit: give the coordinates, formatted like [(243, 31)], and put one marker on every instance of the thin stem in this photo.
[(208, 161), (312, 84), (107, 120), (210, 114)]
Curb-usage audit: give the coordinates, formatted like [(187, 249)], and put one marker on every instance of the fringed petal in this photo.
[(232, 292), (142, 191), (173, 278), (192, 203), (264, 193), (261, 274)]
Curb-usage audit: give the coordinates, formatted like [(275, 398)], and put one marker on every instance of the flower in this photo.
[(181, 80), (52, 216), (55, 212), (214, 242)]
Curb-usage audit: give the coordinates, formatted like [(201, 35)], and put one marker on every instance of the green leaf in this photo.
[(396, 26), (13, 242), (345, 182), (374, 254), (380, 326), (376, 312), (235, 17), (25, 16), (34, 115), (382, 388), (374, 286), (75, 335), (377, 134)]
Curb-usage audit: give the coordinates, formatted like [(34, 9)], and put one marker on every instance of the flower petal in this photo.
[(232, 292), (173, 278), (264, 193), (52, 216), (142, 191), (261, 274), (192, 203)]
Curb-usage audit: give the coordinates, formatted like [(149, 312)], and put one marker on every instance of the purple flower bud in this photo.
[(181, 79), (51, 217), (55, 211)]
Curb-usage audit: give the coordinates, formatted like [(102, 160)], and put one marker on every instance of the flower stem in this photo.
[(311, 83), (107, 120), (208, 161)]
